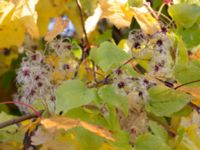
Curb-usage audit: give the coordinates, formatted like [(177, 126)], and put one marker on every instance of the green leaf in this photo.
[(72, 94), (150, 142), (185, 15), (105, 36), (112, 118), (108, 56), (122, 140), (5, 117), (7, 79), (197, 2), (135, 3), (158, 130), (181, 52), (92, 116), (88, 140), (108, 95), (187, 110), (88, 6), (190, 36), (4, 108), (165, 102), (187, 73), (9, 133)]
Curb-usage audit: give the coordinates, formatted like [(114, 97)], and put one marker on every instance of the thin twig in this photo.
[(19, 119), (86, 45), (105, 80), (37, 113), (94, 72), (148, 5), (78, 65), (160, 10), (179, 86), (82, 21)]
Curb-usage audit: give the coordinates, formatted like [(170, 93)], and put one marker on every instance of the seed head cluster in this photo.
[(126, 84), (156, 49), (37, 75)]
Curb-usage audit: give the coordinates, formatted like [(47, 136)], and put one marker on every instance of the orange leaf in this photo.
[(56, 123), (59, 26), (195, 92), (97, 130), (196, 55), (60, 123)]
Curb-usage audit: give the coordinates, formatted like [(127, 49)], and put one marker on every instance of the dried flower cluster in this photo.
[(154, 48), (41, 72), (127, 84)]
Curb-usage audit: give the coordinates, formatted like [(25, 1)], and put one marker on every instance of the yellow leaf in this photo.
[(10, 146), (11, 34), (124, 45), (29, 126), (5, 10), (56, 123), (58, 77), (53, 60), (6, 60), (44, 15), (73, 13), (106, 146), (17, 18), (193, 134), (48, 9), (25, 11), (30, 26), (117, 12), (59, 26), (121, 15), (146, 21)]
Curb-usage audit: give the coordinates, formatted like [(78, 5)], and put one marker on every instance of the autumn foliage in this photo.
[(99, 75)]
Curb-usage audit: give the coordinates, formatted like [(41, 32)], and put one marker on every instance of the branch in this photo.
[(86, 46), (19, 119), (82, 22)]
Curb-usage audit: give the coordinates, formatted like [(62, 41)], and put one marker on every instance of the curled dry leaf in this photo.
[(60, 123), (52, 141), (58, 27), (41, 137), (56, 123)]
